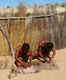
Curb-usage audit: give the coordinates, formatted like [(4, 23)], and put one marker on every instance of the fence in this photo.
[(34, 29)]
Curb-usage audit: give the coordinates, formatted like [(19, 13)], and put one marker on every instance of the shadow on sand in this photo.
[(47, 66)]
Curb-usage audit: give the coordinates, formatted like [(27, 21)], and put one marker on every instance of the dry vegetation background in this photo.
[(34, 30)]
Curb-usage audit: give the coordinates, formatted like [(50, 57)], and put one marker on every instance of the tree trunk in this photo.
[(9, 42)]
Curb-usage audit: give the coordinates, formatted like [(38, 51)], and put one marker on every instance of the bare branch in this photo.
[(8, 40)]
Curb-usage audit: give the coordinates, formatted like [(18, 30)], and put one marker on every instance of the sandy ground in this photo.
[(54, 71)]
